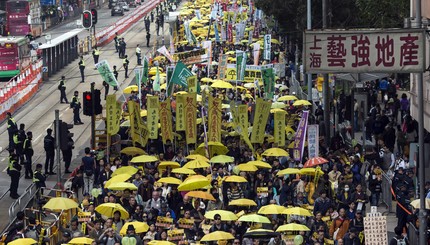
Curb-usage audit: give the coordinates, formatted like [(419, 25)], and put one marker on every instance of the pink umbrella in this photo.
[(313, 162)]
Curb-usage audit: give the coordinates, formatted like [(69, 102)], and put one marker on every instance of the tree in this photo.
[(383, 13)]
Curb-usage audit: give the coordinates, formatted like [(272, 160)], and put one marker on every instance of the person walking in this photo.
[(76, 105), (67, 154), (62, 88), (82, 68), (125, 63), (148, 38), (13, 171), (11, 128), (96, 54), (28, 153), (49, 146), (88, 164), (139, 55), (106, 86)]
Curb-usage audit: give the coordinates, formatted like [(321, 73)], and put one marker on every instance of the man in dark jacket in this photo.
[(49, 146)]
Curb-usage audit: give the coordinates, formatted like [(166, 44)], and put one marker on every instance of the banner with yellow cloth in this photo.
[(192, 84), (238, 128), (180, 112), (153, 116), (139, 132), (243, 117), (262, 110), (166, 121), (113, 114), (279, 133), (214, 120), (190, 118)]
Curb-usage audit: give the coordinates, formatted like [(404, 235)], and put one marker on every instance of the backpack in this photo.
[(128, 241), (401, 241)]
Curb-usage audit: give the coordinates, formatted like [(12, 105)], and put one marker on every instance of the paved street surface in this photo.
[(38, 114)]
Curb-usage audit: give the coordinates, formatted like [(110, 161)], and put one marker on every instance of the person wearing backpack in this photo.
[(399, 239), (131, 238)]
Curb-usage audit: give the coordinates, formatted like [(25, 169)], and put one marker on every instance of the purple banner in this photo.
[(299, 141)]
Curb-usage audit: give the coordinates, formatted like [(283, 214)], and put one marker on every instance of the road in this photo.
[(38, 113)]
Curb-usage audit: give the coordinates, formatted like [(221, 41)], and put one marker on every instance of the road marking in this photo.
[(4, 170), (67, 108), (37, 137)]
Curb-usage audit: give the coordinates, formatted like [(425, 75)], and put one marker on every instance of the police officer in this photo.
[(18, 139), (122, 48), (11, 128), (82, 68), (106, 86), (148, 38), (49, 146), (67, 154), (139, 55), (14, 170), (125, 63), (147, 24), (96, 54), (28, 153), (62, 88), (403, 202), (76, 105), (116, 39), (39, 179)]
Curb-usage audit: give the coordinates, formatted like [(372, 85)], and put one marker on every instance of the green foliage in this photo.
[(383, 13)]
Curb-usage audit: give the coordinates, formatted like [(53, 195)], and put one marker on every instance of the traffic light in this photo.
[(88, 104), (94, 14), (65, 135), (87, 19), (97, 102)]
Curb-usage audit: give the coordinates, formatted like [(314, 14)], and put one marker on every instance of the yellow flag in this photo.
[(214, 119), (180, 112), (243, 116), (238, 128), (192, 84), (166, 121), (139, 132), (113, 114), (262, 110), (279, 133), (152, 117), (190, 118)]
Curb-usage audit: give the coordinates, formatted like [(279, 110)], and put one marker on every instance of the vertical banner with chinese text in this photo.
[(299, 142), (152, 116), (222, 66), (139, 132), (279, 133), (180, 112), (262, 110), (243, 117), (267, 47), (166, 121), (214, 119), (113, 114), (269, 82), (190, 118), (313, 143), (192, 84)]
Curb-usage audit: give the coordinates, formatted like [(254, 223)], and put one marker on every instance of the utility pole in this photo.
[(309, 27), (93, 118), (57, 146), (326, 88)]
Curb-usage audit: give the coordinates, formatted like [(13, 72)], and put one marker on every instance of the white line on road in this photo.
[(4, 170), (37, 137)]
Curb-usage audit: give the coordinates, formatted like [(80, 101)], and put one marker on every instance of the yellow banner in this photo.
[(113, 114), (279, 133), (190, 118), (152, 117), (138, 131), (238, 128), (180, 112), (166, 121), (262, 110), (243, 117), (192, 84), (214, 120)]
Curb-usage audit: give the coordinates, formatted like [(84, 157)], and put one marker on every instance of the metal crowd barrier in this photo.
[(22, 202), (413, 234), (387, 198)]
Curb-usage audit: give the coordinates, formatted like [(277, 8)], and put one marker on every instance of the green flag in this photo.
[(169, 73), (180, 75), (269, 81), (240, 65), (156, 85), (145, 74), (106, 74)]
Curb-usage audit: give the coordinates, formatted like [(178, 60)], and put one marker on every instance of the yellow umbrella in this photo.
[(416, 203), (60, 203), (297, 211), (144, 158), (140, 227), (274, 41), (247, 167), (301, 102), (275, 152), (131, 151), (196, 164), (242, 202), (206, 79), (120, 186), (125, 123), (166, 164), (183, 171), (130, 89), (194, 183), (215, 148), (81, 240), (287, 98), (200, 194), (156, 242), (108, 209), (292, 227), (259, 164), (236, 179), (118, 178), (288, 171), (254, 218), (277, 110), (278, 105), (197, 156), (249, 85), (225, 106), (230, 52), (130, 170), (225, 215), (170, 180), (311, 171), (222, 159), (271, 209), (23, 241), (217, 236), (222, 84)]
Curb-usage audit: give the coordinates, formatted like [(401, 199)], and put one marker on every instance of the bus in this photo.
[(15, 56), (23, 18)]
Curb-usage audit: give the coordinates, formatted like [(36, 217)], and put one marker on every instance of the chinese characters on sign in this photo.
[(262, 110), (180, 112), (299, 142), (222, 66), (152, 116), (279, 133), (113, 114), (364, 51), (375, 229), (190, 118), (214, 119), (166, 121), (313, 143)]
